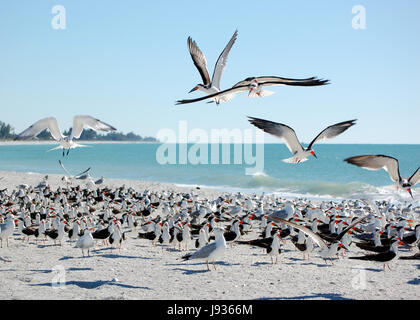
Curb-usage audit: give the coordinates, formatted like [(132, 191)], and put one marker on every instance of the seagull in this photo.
[(86, 241), (300, 154), (66, 142), (254, 87), (210, 251), (390, 165), (211, 86)]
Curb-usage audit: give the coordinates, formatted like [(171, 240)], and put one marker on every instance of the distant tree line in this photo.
[(7, 133)]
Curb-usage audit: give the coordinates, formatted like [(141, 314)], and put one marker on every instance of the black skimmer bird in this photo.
[(116, 237), (300, 154), (390, 165), (302, 243), (202, 239), (211, 86), (27, 231), (57, 234), (254, 87), (66, 142), (255, 84), (326, 252), (274, 249), (211, 251), (383, 257), (102, 234)]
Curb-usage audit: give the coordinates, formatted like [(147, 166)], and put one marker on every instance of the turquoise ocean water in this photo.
[(326, 177)]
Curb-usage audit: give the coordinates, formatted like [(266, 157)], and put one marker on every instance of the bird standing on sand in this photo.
[(274, 249), (6, 230), (211, 251), (85, 242), (383, 257), (326, 252)]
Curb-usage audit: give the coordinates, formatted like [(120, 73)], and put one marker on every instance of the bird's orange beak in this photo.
[(193, 89), (409, 191), (313, 153)]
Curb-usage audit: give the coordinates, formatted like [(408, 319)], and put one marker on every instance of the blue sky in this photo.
[(127, 62)]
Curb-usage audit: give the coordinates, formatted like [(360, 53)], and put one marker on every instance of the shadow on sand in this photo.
[(329, 296), (90, 284)]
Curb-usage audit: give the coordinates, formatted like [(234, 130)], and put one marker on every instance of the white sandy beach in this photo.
[(143, 271)]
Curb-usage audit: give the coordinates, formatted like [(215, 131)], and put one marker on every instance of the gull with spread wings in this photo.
[(211, 86), (390, 165), (66, 142), (254, 86), (300, 154)]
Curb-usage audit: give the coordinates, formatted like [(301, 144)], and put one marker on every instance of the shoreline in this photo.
[(49, 142), (55, 181)]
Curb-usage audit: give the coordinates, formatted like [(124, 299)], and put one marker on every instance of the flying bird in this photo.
[(300, 154), (66, 142), (211, 86), (254, 86), (68, 173), (390, 165)]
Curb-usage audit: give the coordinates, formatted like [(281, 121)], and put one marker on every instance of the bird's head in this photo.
[(312, 152), (407, 186), (195, 88)]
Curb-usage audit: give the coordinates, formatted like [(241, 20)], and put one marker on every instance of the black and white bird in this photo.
[(327, 251), (383, 257), (66, 142), (390, 165), (254, 87), (211, 86), (256, 84), (300, 154)]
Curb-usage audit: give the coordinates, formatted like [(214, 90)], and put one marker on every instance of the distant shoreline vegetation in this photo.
[(7, 133)]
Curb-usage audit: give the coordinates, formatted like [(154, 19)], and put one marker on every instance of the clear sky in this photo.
[(127, 62)]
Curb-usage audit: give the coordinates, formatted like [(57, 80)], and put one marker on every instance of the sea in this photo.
[(229, 168)]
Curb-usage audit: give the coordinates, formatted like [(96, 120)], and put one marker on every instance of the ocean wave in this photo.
[(325, 189)]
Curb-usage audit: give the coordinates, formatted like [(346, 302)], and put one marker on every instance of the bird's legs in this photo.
[(207, 262), (214, 265)]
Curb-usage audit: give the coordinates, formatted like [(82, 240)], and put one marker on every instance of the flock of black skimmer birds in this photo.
[(327, 229), (196, 227)]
